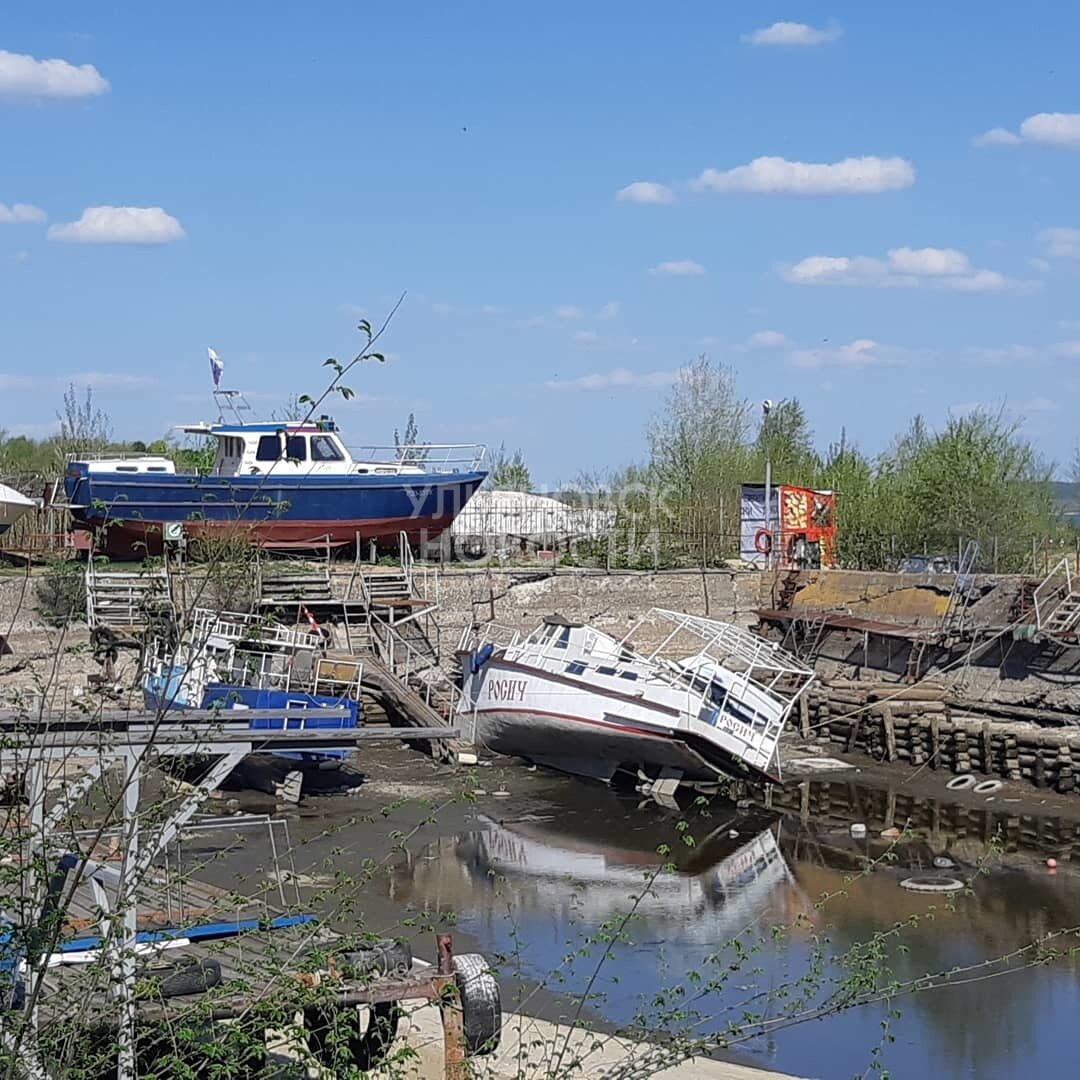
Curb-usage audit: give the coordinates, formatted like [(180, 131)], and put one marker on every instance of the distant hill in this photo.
[(1067, 499)]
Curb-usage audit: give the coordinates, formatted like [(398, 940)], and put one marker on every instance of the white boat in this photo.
[(710, 700), (13, 505)]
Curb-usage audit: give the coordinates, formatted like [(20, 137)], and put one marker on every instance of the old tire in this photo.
[(961, 783), (383, 957), (177, 979), (987, 787), (481, 1004), (340, 1037)]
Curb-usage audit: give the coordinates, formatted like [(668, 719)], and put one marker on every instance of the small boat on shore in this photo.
[(235, 662), (709, 701), (13, 506), (282, 485)]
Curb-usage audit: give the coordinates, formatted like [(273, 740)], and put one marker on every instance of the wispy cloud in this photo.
[(792, 33), (905, 267), (678, 268), (568, 311), (27, 78), (112, 380), (120, 225), (863, 352), (1047, 129), (586, 337), (20, 213), (646, 191), (618, 378), (1061, 243), (767, 339), (610, 310), (777, 176)]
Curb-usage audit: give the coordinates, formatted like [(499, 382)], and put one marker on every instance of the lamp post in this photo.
[(766, 408)]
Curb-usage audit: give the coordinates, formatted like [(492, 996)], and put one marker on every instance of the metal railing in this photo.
[(427, 457), (412, 667), (1051, 592)]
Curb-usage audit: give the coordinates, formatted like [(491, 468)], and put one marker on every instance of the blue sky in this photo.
[(815, 203)]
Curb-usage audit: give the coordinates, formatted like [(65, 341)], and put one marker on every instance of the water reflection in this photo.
[(533, 886)]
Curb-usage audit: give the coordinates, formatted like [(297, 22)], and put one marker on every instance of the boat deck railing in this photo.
[(248, 630), (430, 457)]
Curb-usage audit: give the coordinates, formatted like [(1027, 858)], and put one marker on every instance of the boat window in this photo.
[(324, 448), (296, 448), (606, 670), (627, 674), (575, 668), (564, 638), (269, 448)]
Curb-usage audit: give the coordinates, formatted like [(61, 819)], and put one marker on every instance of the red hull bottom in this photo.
[(138, 540)]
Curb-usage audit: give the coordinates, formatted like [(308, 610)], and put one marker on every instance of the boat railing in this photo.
[(473, 636), (249, 630), (430, 457), (759, 661)]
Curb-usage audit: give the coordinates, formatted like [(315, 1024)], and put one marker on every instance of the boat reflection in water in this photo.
[(546, 877)]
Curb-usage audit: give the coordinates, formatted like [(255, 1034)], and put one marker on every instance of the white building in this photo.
[(518, 522)]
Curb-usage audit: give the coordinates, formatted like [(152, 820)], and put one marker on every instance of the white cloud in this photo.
[(776, 175), (1046, 129), (904, 267), (791, 33), (859, 353), (678, 268), (768, 339), (619, 378), (586, 337), (1069, 350), (1061, 243), (996, 137), (23, 76), (610, 310), (568, 311), (646, 191), (120, 225), (19, 213)]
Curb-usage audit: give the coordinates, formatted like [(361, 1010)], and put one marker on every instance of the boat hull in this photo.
[(555, 721), (128, 512)]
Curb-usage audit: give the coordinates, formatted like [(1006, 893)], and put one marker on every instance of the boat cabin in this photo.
[(313, 448)]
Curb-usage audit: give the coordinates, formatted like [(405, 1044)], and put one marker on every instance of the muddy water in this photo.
[(533, 878)]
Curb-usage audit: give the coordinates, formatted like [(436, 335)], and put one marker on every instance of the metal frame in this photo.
[(126, 740)]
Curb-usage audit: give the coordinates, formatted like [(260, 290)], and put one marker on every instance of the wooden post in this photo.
[(450, 1007), (890, 734), (853, 732), (987, 751), (804, 717), (935, 741)]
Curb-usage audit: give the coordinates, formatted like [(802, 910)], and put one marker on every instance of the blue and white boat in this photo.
[(282, 484), (235, 662)]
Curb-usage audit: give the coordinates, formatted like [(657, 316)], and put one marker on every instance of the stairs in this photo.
[(291, 589), (126, 601), (1057, 602), (1065, 616)]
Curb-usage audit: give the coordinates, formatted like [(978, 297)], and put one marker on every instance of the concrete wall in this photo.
[(611, 602)]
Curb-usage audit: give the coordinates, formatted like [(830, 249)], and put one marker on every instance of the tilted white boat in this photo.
[(576, 699), (13, 505)]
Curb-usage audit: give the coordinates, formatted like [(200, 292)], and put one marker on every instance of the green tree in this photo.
[(508, 472), (786, 441)]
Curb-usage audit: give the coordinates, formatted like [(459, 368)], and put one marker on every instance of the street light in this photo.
[(766, 408)]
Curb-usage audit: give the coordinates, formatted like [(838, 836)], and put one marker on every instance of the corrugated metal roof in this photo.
[(523, 514)]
